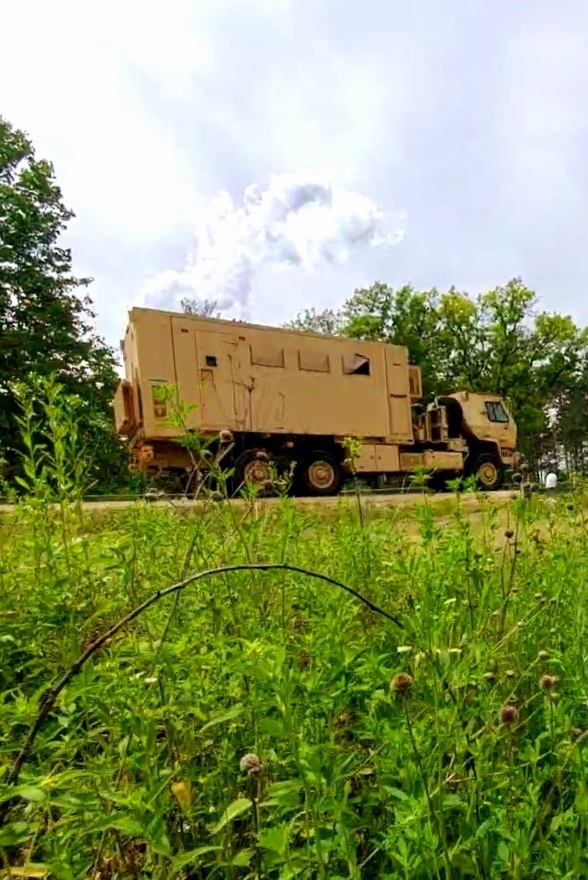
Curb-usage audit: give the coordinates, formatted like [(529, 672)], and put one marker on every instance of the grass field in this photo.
[(266, 723)]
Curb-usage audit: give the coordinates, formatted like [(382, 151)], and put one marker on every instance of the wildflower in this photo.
[(250, 763), (404, 649), (547, 682), (508, 714), (401, 683)]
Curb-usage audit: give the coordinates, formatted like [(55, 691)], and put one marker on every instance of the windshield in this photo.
[(496, 411)]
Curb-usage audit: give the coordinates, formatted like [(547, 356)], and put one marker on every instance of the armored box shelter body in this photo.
[(283, 396)]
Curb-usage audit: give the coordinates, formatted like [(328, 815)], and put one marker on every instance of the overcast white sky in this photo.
[(470, 117)]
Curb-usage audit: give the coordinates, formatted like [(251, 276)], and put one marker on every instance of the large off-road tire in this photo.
[(253, 471), (488, 472), (319, 474)]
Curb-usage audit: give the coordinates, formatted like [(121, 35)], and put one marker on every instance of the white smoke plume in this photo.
[(301, 219)]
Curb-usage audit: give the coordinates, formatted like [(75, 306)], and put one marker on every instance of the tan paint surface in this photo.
[(249, 378)]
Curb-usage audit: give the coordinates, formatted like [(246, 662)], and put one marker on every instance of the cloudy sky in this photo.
[(466, 122)]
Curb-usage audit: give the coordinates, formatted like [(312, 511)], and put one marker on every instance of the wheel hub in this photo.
[(321, 474), (487, 473), (257, 473)]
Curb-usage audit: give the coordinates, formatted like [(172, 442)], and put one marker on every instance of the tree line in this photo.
[(498, 342)]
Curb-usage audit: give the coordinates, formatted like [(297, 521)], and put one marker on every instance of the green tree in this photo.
[(570, 420), (45, 326)]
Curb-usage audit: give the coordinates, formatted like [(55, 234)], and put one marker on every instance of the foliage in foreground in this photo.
[(256, 726)]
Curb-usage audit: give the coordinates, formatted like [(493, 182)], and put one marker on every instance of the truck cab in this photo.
[(484, 423)]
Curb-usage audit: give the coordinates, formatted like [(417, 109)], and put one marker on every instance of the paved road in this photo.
[(367, 500)]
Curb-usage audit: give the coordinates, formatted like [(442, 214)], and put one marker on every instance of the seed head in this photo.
[(401, 683), (304, 659), (547, 682), (508, 714), (251, 764)]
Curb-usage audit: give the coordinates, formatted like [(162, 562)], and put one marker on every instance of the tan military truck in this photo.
[(288, 399)]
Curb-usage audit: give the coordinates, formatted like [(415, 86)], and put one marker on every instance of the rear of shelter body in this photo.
[(291, 400)]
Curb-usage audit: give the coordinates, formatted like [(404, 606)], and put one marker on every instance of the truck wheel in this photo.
[(320, 475), (252, 469), (488, 472)]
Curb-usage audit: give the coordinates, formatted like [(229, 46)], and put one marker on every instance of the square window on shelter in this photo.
[(356, 365)]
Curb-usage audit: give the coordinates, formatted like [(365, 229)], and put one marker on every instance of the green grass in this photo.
[(137, 770)]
